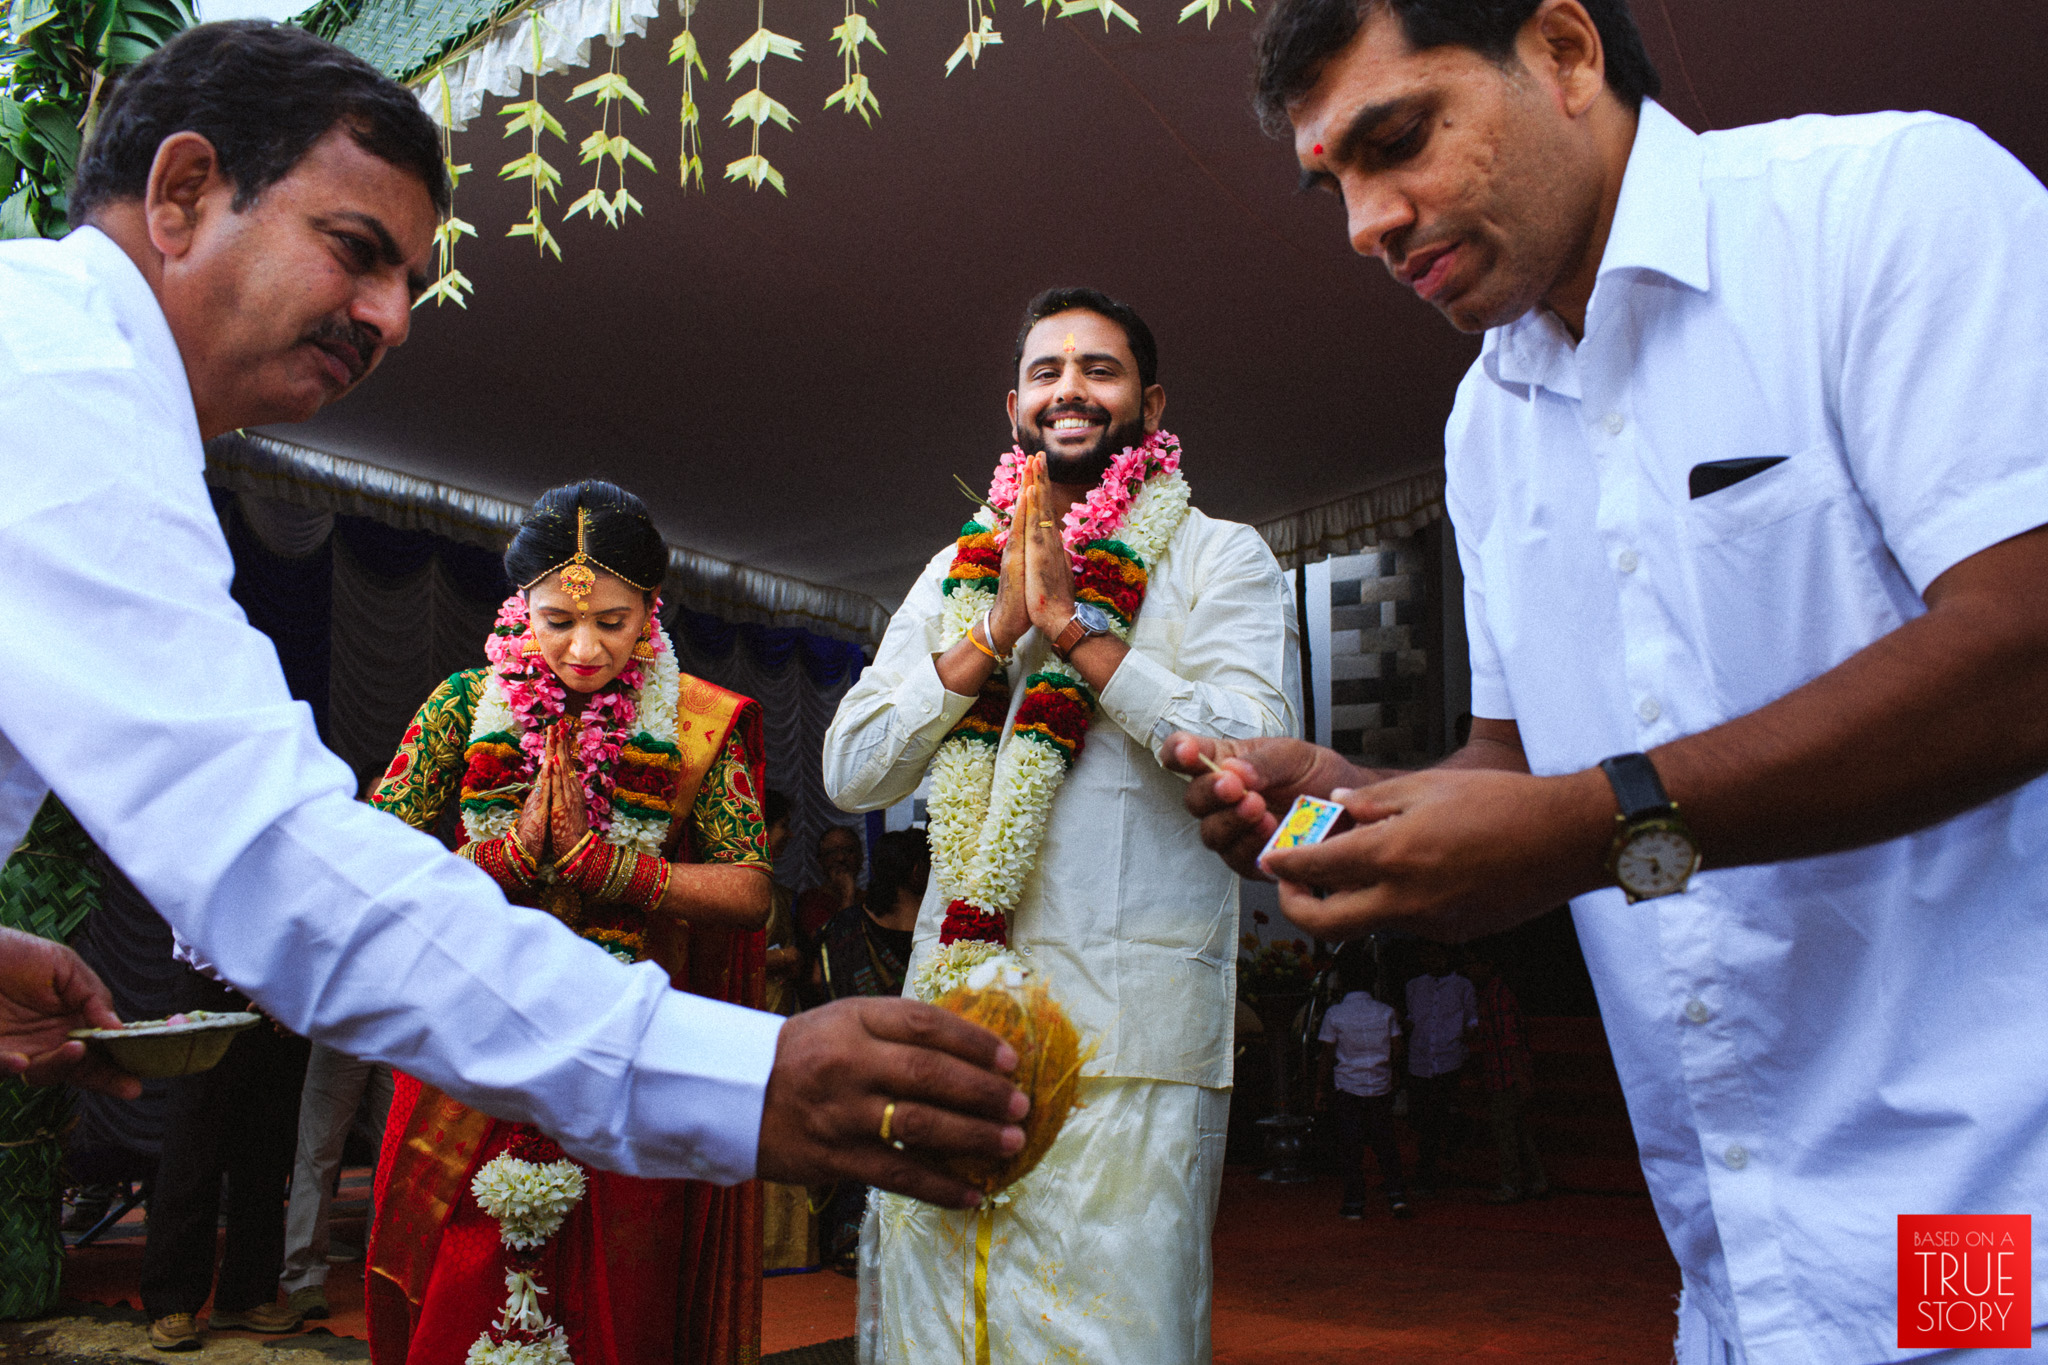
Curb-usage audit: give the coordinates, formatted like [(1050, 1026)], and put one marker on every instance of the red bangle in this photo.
[(649, 882), (505, 861)]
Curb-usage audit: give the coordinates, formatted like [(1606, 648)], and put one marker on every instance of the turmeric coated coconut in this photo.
[(1023, 1013)]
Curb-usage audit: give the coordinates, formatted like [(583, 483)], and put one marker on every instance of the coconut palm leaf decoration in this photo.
[(56, 56), (47, 887)]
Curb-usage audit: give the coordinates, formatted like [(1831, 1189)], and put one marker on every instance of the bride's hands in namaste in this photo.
[(531, 832), (568, 819)]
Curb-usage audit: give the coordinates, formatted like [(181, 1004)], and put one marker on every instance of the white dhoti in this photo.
[(1101, 1254)]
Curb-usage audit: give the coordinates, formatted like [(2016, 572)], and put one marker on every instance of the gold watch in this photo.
[(1654, 853)]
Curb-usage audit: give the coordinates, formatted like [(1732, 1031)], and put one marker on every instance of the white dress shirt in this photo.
[(1363, 1031), (1440, 1010), (1813, 1047), (1133, 922), (131, 683)]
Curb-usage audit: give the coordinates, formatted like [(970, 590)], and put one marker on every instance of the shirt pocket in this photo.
[(1789, 576)]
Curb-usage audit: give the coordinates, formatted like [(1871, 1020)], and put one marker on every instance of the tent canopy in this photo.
[(793, 384)]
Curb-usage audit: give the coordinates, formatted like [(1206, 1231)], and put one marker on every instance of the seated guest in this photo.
[(784, 956), (839, 859), (787, 1237), (865, 950), (1357, 1080), (603, 787)]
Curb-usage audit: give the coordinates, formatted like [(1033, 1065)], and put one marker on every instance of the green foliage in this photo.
[(55, 58), (47, 887)]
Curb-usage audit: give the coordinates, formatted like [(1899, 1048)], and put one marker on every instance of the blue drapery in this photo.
[(289, 599), (827, 662)]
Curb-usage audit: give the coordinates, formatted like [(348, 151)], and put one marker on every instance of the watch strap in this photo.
[(1637, 788), (1074, 633)]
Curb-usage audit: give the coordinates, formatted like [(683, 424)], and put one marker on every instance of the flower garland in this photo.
[(625, 743), (530, 1187), (989, 798)]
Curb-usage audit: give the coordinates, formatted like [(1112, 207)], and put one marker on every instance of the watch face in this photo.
[(1092, 616), (1655, 862)]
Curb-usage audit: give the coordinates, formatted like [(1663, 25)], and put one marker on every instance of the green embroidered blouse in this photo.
[(425, 778)]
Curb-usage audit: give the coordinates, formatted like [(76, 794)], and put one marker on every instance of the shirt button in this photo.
[(1697, 1011), (1736, 1156), (1627, 561), (1648, 709), (1613, 423)]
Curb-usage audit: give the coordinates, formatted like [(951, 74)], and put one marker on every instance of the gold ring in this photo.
[(888, 1118), (1047, 525)]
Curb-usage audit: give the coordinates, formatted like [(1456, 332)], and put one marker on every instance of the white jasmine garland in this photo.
[(529, 1201), (988, 810)]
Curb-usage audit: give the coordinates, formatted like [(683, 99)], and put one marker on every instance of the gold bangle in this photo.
[(568, 860)]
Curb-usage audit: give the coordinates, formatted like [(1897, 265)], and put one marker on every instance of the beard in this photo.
[(1087, 468)]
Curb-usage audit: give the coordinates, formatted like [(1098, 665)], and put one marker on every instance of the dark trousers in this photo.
[(1430, 1101), (1362, 1121), (239, 1120)]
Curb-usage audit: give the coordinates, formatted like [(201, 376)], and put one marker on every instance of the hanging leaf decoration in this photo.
[(604, 145), (981, 33), (684, 50), (856, 96), (1108, 9), (531, 117), (755, 107)]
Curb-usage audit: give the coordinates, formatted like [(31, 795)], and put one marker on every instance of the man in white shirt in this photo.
[(1357, 1077), (1748, 477), (256, 212), (1442, 1009), (1102, 1253)]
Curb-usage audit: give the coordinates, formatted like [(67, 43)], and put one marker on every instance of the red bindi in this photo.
[(1319, 149)]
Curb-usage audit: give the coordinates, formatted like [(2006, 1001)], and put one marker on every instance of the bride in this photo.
[(599, 784)]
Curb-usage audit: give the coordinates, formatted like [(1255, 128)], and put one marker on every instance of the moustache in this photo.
[(355, 343), (1087, 410)]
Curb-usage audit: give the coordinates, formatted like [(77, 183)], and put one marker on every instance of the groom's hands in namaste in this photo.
[(1011, 616), (837, 1068), (1048, 575)]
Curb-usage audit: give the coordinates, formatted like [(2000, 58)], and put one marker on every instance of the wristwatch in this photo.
[(1653, 854), (1088, 620)]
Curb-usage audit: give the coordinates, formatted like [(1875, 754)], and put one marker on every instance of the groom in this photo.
[(1102, 1253)]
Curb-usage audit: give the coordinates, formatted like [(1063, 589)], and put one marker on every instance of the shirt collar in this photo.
[(137, 310), (1660, 225)]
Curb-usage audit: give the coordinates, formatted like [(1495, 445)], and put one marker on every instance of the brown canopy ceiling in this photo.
[(792, 383)]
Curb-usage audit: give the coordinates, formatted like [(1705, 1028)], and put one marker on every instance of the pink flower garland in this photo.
[(1102, 512), (538, 698)]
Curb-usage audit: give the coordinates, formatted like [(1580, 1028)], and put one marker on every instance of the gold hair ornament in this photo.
[(577, 578)]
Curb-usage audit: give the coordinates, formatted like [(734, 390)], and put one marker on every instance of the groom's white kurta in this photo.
[(1102, 1254)]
